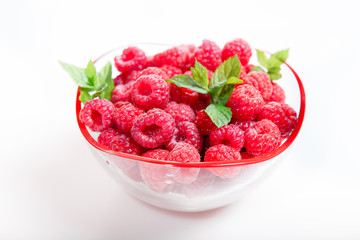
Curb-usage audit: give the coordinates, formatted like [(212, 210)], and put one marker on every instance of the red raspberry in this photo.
[(97, 114), (243, 124), (185, 153), (190, 51), (150, 91), (122, 92), (149, 61), (199, 105), (183, 95), (125, 116), (204, 123), (263, 137), (171, 70), (127, 77), (278, 94), (124, 143), (174, 57), (205, 179), (247, 68), (209, 55), (245, 102), (186, 132), (156, 176), (237, 47), (153, 129), (229, 135), (263, 83), (246, 155), (180, 112), (155, 71), (129, 167), (282, 115), (106, 136), (223, 153), (132, 58)]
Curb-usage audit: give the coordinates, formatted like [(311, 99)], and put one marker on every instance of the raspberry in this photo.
[(149, 61), (150, 91), (190, 51), (263, 83), (124, 78), (205, 179), (223, 153), (209, 55), (185, 153), (153, 129), (132, 58), (129, 167), (245, 155), (180, 112), (263, 137), (237, 47), (183, 95), (106, 136), (278, 94), (124, 143), (174, 57), (229, 135), (199, 105), (155, 71), (282, 115), (247, 68), (125, 116), (243, 124), (171, 70), (245, 102), (186, 132), (156, 176), (122, 92), (204, 123), (97, 114)]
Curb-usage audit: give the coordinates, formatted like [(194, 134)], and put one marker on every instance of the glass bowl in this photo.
[(208, 191)]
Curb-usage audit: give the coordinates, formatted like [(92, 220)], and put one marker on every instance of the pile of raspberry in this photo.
[(150, 117)]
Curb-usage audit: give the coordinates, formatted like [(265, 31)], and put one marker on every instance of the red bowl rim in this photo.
[(241, 162)]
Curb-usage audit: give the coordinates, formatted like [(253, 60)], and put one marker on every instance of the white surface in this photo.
[(51, 187)]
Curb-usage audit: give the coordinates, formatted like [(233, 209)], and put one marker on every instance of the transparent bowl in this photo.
[(208, 191)]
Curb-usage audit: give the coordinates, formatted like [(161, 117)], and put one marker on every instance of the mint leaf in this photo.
[(187, 81), (278, 58), (84, 96), (78, 75), (234, 80), (257, 68), (200, 74), (219, 114), (262, 58), (226, 92), (90, 72), (275, 75), (229, 68), (104, 78)]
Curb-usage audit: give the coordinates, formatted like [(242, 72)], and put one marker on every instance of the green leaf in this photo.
[(84, 96), (234, 80), (278, 58), (262, 58), (275, 76), (104, 78), (187, 81), (200, 74), (229, 68), (257, 68), (78, 75), (90, 72), (226, 92), (219, 114)]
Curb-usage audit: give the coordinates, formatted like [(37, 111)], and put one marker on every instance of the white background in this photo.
[(51, 187)]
